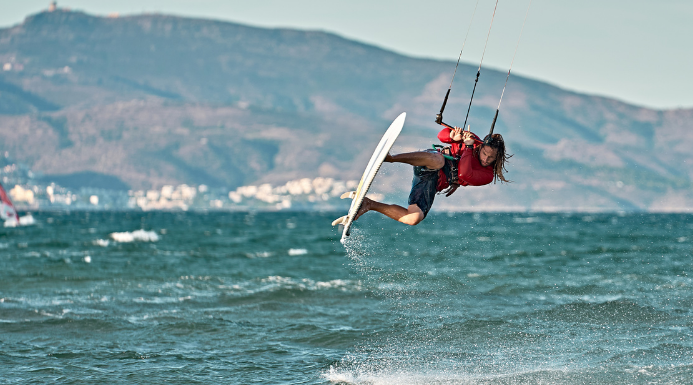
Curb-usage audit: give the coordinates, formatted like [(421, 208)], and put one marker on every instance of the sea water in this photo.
[(274, 298)]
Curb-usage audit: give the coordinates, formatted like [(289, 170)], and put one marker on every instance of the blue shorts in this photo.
[(425, 185), (423, 188)]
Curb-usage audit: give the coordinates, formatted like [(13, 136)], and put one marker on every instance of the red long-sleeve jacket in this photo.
[(470, 170)]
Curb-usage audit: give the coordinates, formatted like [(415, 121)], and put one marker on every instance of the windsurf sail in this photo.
[(7, 210)]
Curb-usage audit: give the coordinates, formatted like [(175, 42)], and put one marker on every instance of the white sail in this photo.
[(7, 210), (9, 214)]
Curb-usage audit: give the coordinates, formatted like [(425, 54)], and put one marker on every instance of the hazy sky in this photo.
[(638, 51)]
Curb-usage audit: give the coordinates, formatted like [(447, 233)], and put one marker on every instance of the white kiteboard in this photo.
[(369, 174)]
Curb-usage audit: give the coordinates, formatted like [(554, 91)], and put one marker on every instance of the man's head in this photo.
[(492, 153), (487, 155)]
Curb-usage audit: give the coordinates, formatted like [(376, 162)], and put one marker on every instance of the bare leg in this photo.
[(410, 216), (431, 160)]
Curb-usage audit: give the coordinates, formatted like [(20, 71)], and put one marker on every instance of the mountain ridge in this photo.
[(157, 99)]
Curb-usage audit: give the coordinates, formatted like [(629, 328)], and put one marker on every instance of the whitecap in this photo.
[(526, 220), (157, 300), (259, 254), (335, 283), (137, 235), (298, 251), (102, 242), (276, 282)]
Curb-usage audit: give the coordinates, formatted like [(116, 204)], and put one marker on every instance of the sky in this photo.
[(637, 51)]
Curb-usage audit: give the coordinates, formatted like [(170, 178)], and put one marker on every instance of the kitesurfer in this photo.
[(469, 161)]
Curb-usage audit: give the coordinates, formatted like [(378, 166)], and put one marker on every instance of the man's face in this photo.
[(487, 155)]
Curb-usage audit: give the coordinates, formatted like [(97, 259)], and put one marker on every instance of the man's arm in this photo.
[(447, 135), (444, 135)]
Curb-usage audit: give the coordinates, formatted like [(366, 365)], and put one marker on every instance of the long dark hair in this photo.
[(496, 142)]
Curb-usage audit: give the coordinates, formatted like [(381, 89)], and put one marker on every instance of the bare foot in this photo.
[(365, 207)]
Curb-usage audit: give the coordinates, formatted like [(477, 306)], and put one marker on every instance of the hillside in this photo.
[(152, 99)]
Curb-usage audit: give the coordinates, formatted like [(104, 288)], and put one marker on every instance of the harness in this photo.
[(446, 151)]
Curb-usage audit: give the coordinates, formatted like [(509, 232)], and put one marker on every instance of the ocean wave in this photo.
[(611, 312), (526, 219), (664, 352), (259, 254), (162, 300), (398, 377), (279, 283), (101, 242), (362, 374), (137, 235)]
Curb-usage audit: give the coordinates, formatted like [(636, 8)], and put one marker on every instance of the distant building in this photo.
[(53, 6), (20, 194)]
